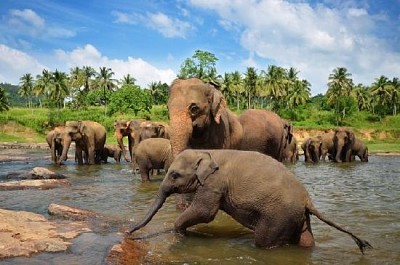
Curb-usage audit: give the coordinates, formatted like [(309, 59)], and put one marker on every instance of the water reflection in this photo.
[(364, 197)]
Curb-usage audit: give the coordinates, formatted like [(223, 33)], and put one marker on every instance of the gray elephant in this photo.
[(290, 152), (343, 140), (113, 151), (89, 138), (55, 143), (153, 153), (130, 130), (312, 149), (327, 147), (256, 190), (359, 149)]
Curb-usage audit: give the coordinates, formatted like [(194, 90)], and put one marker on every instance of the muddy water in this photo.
[(364, 197)]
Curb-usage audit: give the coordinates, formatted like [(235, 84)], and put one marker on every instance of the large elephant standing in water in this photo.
[(256, 190), (89, 137), (343, 140), (200, 119), (55, 143)]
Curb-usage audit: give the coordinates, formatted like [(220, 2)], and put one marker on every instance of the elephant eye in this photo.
[(174, 175), (194, 109)]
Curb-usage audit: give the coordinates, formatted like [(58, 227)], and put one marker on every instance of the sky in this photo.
[(150, 39)]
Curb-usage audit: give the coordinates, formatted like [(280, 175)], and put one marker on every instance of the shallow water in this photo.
[(363, 197)]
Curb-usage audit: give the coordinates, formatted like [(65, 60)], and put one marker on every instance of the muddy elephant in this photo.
[(55, 143), (153, 153), (327, 147), (259, 192), (130, 130), (290, 152), (312, 149), (89, 138), (343, 140), (359, 149), (113, 151)]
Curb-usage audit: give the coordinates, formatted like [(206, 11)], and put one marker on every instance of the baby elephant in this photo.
[(111, 151), (153, 153), (256, 190)]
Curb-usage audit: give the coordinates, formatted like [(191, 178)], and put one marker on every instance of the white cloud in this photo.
[(26, 20), (313, 39), (14, 64), (167, 26), (142, 71)]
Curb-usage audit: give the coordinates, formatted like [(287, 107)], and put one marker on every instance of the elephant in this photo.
[(259, 192), (312, 149), (89, 137), (290, 152), (200, 118), (327, 147), (113, 151), (153, 130), (153, 153), (343, 140), (359, 149), (55, 143), (130, 129)]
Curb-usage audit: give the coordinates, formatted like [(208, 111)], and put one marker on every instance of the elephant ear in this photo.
[(205, 166), (82, 127), (351, 136), (218, 104)]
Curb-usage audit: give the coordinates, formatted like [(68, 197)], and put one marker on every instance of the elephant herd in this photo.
[(247, 181)]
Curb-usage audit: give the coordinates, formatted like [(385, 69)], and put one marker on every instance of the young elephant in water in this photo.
[(256, 190)]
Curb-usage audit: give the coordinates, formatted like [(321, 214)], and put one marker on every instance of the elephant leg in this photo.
[(306, 236), (78, 155), (144, 173)]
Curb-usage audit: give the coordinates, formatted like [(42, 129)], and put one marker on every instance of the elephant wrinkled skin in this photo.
[(256, 190)]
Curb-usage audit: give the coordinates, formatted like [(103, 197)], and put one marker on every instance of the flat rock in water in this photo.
[(25, 233), (70, 212), (36, 173), (33, 184)]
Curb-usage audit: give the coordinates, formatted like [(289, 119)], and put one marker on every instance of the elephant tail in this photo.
[(362, 244)]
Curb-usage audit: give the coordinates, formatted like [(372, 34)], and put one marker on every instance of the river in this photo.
[(363, 197)]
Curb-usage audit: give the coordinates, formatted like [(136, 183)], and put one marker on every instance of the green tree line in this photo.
[(275, 88)]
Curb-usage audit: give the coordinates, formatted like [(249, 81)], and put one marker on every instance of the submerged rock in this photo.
[(33, 184), (70, 212), (37, 173)]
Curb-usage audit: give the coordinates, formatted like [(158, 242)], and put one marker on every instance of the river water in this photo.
[(363, 197)]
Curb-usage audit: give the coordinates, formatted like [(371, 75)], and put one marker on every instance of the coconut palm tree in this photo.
[(4, 103), (250, 84), (275, 83), (361, 94), (380, 89), (237, 87), (88, 73), (105, 81), (26, 88), (394, 89), (127, 80), (299, 93), (59, 88), (43, 84)]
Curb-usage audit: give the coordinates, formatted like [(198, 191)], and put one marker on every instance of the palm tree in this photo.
[(275, 83), (105, 81), (299, 93), (43, 84), (381, 89), (340, 83), (127, 80), (59, 88), (237, 87), (26, 88), (394, 90), (88, 73), (4, 103), (250, 83), (361, 95)]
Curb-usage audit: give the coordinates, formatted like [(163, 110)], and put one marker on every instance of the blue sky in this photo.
[(150, 39)]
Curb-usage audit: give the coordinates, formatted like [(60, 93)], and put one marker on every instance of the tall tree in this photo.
[(250, 83), (88, 73), (275, 85), (4, 102), (394, 90), (26, 88), (127, 80), (59, 88), (200, 65), (105, 82), (299, 93), (362, 97), (43, 85), (340, 84)]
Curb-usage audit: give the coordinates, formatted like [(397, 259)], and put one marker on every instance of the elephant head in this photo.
[(74, 131), (55, 142), (343, 140), (185, 175), (194, 107), (314, 148)]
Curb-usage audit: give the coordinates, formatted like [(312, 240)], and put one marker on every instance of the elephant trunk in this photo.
[(338, 156), (67, 142), (157, 204), (53, 151), (119, 137), (181, 130)]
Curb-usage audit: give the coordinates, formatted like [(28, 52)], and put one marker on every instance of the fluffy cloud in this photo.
[(141, 70), (14, 64), (314, 39), (167, 26)]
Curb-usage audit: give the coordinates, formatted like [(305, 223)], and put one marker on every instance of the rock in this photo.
[(33, 184), (36, 173), (70, 213), (25, 233)]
